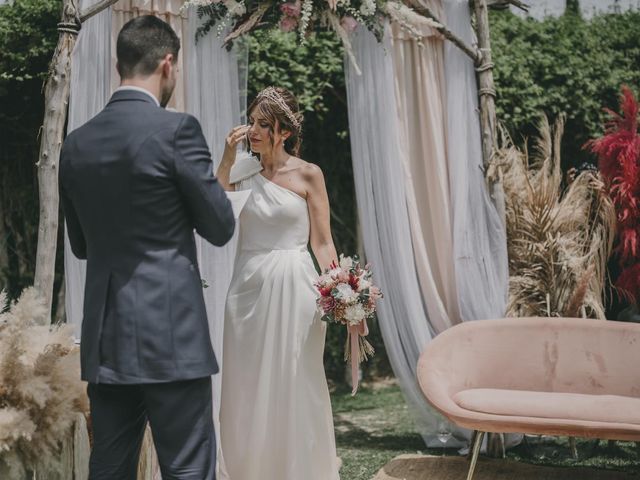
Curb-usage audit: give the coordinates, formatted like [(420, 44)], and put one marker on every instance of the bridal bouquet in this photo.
[(348, 297)]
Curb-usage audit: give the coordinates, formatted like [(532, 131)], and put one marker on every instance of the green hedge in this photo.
[(563, 65), (28, 37)]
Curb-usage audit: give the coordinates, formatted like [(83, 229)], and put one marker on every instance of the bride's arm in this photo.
[(229, 156), (320, 217)]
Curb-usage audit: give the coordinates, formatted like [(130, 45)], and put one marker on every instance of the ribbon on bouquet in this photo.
[(358, 349)]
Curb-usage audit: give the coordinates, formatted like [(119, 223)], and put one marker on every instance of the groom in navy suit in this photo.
[(135, 181)]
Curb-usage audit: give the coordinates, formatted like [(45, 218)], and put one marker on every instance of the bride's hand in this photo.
[(229, 156), (236, 135)]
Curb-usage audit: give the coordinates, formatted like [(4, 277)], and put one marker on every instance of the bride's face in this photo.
[(262, 137)]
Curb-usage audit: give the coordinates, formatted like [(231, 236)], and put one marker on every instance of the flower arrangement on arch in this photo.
[(348, 297), (305, 16)]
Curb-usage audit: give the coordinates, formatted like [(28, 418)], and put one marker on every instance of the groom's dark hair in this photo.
[(142, 43)]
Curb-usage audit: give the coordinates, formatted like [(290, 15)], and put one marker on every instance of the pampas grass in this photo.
[(40, 388), (558, 240)]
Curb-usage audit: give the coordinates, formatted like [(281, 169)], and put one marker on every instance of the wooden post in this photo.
[(74, 455), (56, 99), (486, 88), (487, 94)]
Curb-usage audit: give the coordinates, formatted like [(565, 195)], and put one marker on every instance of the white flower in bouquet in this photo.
[(363, 284), (346, 263), (354, 314), (334, 272), (346, 293)]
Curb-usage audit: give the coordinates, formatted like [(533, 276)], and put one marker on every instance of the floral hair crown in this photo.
[(270, 93)]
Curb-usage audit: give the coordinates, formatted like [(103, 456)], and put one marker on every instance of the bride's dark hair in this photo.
[(279, 106)]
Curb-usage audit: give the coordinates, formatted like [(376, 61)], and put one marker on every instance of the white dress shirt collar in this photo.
[(138, 89)]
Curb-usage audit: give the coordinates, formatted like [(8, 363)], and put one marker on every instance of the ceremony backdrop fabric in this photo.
[(429, 226), (434, 238), (420, 93), (479, 236), (379, 175)]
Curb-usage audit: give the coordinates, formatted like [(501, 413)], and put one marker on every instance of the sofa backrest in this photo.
[(543, 354)]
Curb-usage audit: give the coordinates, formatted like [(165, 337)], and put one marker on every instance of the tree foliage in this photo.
[(563, 65), (27, 40)]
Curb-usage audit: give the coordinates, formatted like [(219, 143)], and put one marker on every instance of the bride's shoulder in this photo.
[(309, 171)]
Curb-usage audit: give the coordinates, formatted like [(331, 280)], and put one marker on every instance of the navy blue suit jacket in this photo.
[(135, 181)]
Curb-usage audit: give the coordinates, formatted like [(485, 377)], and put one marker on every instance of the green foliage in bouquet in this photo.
[(40, 388)]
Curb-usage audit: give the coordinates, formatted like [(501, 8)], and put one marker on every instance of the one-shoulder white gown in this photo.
[(275, 418)]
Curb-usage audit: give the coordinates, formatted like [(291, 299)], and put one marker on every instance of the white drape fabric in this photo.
[(378, 167), (434, 238), (479, 237)]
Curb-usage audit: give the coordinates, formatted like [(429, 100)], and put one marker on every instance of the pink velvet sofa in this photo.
[(554, 376)]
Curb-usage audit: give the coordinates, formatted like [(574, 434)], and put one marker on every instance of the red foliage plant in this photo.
[(618, 153)]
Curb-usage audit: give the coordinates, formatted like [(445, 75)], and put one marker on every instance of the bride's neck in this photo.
[(273, 161)]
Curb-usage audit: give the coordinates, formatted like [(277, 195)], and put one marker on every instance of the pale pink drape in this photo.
[(167, 10), (421, 99)]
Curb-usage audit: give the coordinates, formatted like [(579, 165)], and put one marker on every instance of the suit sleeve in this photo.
[(74, 230), (206, 200)]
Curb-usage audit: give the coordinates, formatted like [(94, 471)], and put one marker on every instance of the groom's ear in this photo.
[(167, 64)]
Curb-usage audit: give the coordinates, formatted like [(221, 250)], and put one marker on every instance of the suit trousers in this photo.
[(181, 420)]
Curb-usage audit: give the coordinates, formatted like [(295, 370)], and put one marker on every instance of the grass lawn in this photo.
[(375, 426)]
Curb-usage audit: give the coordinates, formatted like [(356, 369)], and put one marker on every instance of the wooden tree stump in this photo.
[(74, 455)]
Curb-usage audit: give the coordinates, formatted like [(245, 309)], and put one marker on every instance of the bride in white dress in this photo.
[(275, 417)]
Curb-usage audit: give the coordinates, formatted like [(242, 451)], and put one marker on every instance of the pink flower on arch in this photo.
[(349, 23), (291, 9), (288, 24)]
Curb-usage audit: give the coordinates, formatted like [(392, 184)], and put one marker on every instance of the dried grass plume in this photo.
[(558, 239), (40, 387)]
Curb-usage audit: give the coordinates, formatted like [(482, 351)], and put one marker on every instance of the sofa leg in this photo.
[(476, 451)]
